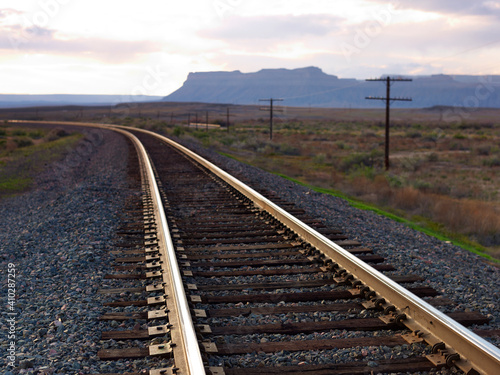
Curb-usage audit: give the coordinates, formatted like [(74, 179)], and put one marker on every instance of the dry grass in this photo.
[(448, 173), (477, 219)]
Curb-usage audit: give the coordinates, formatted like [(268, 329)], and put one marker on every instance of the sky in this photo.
[(148, 47)]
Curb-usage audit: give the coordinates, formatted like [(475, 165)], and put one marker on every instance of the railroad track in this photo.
[(230, 283)]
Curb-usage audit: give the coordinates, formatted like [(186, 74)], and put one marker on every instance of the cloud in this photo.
[(284, 36), (39, 32), (466, 7), (35, 39), (280, 27), (427, 47), (7, 12)]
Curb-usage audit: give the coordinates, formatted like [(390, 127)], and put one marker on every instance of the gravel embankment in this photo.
[(58, 237)]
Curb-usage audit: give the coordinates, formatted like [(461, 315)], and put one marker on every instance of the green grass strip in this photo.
[(12, 184), (33, 159), (230, 157)]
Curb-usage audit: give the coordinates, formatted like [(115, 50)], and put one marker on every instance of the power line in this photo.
[(228, 118), (388, 101), (271, 101), (463, 51), (323, 92)]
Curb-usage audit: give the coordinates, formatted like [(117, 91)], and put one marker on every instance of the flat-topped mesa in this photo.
[(246, 88), (311, 86)]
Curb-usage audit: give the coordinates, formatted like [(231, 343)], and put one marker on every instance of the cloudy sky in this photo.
[(149, 46)]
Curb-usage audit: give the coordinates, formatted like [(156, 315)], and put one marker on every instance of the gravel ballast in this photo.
[(58, 238)]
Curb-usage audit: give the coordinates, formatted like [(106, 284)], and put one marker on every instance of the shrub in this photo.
[(395, 181), (19, 132), (493, 162), (36, 134), (422, 185), (441, 188), (128, 120), (266, 149), (460, 191), (227, 140), (358, 160), (432, 157), (407, 198), (411, 164), (483, 150), (414, 134), (319, 159), (432, 137), (23, 142), (289, 150), (360, 186), (457, 147), (55, 134), (341, 145), (178, 131), (202, 135), (368, 133), (383, 187)]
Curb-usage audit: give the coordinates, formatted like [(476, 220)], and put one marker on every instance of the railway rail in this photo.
[(237, 284)]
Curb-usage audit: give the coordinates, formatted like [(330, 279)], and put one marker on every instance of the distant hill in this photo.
[(18, 101), (312, 87)]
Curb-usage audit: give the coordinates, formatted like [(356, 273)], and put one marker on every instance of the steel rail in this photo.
[(188, 359), (475, 352), (184, 329), (477, 356)]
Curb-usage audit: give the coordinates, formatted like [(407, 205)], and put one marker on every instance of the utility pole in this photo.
[(227, 118), (271, 101), (388, 81), (206, 129)]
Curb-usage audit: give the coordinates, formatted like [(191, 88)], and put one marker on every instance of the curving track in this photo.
[(238, 285)]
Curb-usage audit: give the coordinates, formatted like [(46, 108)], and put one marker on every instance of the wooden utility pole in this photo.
[(271, 101), (228, 118), (388, 100)]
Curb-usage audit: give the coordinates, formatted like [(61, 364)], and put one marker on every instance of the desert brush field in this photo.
[(445, 163)]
